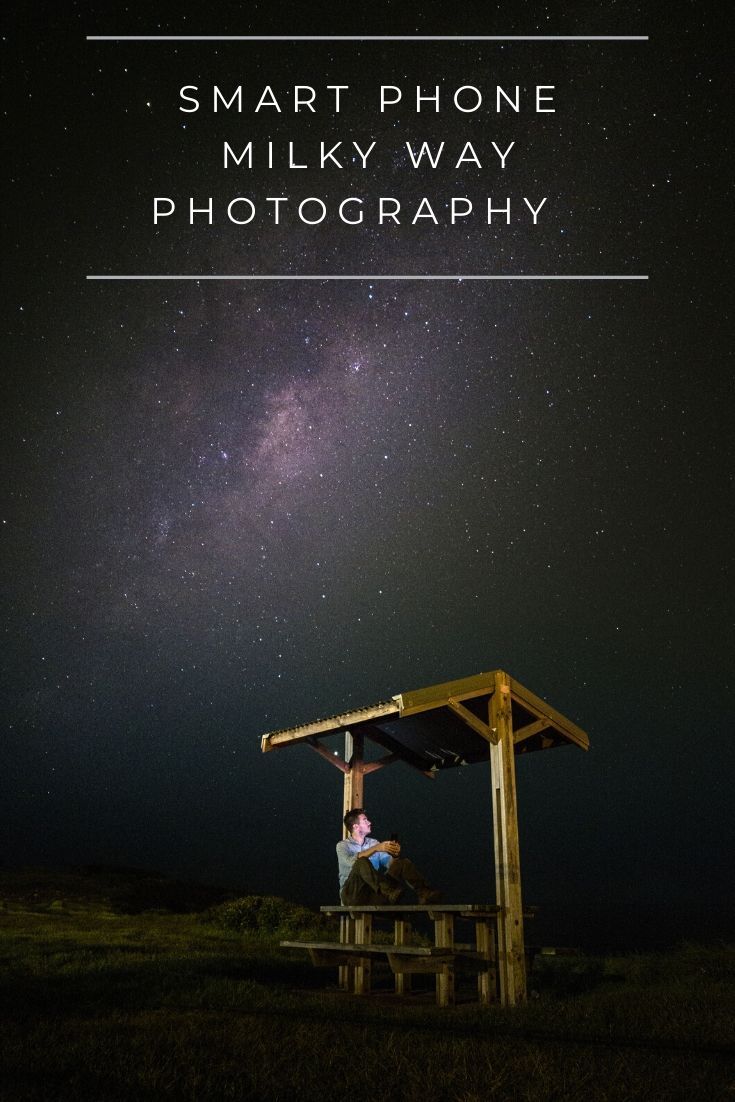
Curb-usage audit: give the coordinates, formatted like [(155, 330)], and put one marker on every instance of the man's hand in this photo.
[(393, 848)]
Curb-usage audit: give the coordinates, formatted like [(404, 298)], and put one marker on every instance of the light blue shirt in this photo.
[(347, 851)]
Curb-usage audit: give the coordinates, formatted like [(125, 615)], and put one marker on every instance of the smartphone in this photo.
[(394, 837)]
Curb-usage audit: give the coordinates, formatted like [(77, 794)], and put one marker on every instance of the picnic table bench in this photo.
[(355, 951)]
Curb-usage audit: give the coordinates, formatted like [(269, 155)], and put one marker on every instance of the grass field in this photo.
[(99, 1005)]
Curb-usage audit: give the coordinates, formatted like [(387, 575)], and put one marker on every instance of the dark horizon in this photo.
[(635, 928)]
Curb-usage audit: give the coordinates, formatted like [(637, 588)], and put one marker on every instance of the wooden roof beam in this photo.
[(434, 696), (483, 729), (329, 755), (539, 708), (531, 729), (400, 752), (371, 766), (331, 725)]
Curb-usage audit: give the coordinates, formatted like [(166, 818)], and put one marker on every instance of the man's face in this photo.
[(363, 825)]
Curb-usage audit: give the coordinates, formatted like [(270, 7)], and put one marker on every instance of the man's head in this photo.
[(356, 818)]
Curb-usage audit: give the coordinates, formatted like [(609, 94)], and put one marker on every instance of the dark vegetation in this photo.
[(123, 985)]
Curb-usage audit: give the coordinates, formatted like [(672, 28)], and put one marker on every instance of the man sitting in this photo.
[(372, 872)]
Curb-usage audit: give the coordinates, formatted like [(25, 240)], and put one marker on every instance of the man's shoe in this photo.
[(429, 895)]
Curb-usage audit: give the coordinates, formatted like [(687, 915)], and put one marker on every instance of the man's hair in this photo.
[(351, 818)]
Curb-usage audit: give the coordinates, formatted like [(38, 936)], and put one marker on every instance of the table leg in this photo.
[(401, 931), (485, 943), (345, 972), (444, 939), (363, 936)]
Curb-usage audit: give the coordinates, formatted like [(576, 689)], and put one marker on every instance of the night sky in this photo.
[(230, 507)]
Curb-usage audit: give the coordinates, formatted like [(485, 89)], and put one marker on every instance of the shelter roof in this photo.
[(442, 726)]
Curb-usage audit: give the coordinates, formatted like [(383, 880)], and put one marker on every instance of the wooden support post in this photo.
[(353, 784), (485, 943), (444, 939), (511, 957), (354, 977), (401, 930)]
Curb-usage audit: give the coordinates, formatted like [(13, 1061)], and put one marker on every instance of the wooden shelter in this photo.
[(488, 717)]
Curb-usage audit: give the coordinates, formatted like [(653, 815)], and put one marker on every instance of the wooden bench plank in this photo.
[(402, 959), (361, 950), (402, 965)]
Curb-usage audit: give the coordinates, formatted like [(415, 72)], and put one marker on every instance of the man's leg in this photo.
[(402, 869), (366, 887)]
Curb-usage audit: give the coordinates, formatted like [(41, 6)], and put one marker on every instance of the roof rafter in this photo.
[(483, 729), (531, 729)]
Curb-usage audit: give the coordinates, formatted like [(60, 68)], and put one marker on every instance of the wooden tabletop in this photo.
[(476, 909)]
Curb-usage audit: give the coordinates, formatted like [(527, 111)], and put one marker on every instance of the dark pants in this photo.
[(367, 887)]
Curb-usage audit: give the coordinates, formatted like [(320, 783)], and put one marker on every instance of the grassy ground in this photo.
[(100, 1005)]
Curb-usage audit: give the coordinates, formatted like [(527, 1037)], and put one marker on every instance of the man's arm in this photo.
[(391, 848)]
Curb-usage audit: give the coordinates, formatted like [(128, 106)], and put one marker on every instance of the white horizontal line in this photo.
[(367, 38), (366, 278)]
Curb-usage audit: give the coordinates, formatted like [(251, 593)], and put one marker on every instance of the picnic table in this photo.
[(355, 951)]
